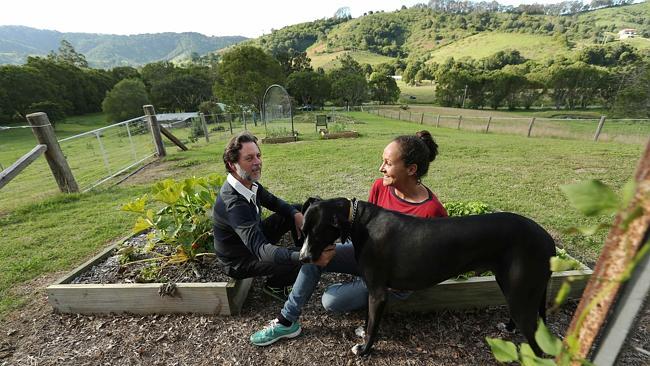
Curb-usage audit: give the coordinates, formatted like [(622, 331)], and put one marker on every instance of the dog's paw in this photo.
[(360, 332), (357, 349)]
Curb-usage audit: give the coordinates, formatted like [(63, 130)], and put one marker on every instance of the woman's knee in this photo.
[(344, 297)]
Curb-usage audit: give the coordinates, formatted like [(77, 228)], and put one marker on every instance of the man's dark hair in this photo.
[(231, 152), (419, 149)]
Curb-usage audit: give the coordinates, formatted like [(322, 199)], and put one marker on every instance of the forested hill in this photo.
[(433, 35), (106, 50)]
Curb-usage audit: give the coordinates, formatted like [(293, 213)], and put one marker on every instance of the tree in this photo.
[(124, 72), (633, 100), (292, 60), (309, 87), (383, 88), (21, 86), (411, 71), (350, 89), (125, 100), (67, 54), (243, 76)]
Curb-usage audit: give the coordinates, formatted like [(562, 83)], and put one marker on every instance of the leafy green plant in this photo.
[(183, 222), (277, 132), (591, 198), (338, 127), (466, 208)]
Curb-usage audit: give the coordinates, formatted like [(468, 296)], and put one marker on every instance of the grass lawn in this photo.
[(511, 173), (535, 47)]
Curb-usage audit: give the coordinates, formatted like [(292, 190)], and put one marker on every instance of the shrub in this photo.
[(55, 111)]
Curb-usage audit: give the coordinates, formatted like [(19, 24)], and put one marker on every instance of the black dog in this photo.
[(402, 252)]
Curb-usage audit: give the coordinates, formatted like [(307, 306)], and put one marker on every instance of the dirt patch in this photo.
[(36, 335)]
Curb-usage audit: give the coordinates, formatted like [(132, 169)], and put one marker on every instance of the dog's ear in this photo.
[(308, 203)]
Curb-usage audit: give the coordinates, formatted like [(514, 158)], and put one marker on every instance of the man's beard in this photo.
[(246, 175)]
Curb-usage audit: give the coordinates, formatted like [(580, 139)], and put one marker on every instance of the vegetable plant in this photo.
[(183, 222)]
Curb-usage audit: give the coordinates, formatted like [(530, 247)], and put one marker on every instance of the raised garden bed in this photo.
[(279, 140), (223, 298), (324, 134), (483, 291)]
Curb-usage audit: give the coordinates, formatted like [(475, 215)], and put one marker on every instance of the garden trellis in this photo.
[(277, 112)]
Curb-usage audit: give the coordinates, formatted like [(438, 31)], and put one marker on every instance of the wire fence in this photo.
[(35, 182), (102, 154), (635, 131)]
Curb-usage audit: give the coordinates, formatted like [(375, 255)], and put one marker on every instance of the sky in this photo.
[(249, 18)]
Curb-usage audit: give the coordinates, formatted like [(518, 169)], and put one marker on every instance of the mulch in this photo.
[(36, 335)]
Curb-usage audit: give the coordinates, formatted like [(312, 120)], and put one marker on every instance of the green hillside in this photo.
[(107, 50), (531, 46), (433, 36)]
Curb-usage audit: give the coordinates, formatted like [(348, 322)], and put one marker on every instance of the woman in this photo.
[(404, 162)]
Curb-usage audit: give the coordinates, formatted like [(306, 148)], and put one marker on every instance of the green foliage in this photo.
[(466, 208), (55, 112), (244, 74), (309, 87), (182, 89), (633, 100), (125, 100), (383, 88), (67, 54), (592, 197), (277, 132), (183, 222)]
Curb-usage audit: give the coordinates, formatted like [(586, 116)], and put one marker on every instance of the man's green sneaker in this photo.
[(274, 332)]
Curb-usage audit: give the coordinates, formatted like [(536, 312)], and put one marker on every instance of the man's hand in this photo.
[(299, 220), (328, 253)]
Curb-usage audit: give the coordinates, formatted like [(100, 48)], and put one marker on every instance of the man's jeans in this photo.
[(309, 275)]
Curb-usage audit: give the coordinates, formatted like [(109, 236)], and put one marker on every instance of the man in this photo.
[(243, 242)]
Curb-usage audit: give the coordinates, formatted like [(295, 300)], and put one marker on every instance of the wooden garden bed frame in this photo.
[(477, 292), (279, 140), (337, 135), (226, 298), (222, 298)]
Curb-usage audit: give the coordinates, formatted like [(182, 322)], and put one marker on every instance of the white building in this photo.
[(627, 33)]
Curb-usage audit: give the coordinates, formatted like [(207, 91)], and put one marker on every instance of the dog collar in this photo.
[(353, 210)]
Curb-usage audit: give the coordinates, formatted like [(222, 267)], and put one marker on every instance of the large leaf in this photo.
[(591, 197), (141, 224), (549, 343), (503, 351), (528, 357), (136, 206)]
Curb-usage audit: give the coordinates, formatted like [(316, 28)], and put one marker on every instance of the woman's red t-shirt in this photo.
[(385, 197)]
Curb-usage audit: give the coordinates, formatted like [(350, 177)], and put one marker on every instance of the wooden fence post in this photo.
[(602, 307), (600, 127), (150, 114), (205, 126), (399, 115), (438, 121), (530, 126), (487, 127), (44, 133), (422, 118), (460, 119), (410, 117)]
